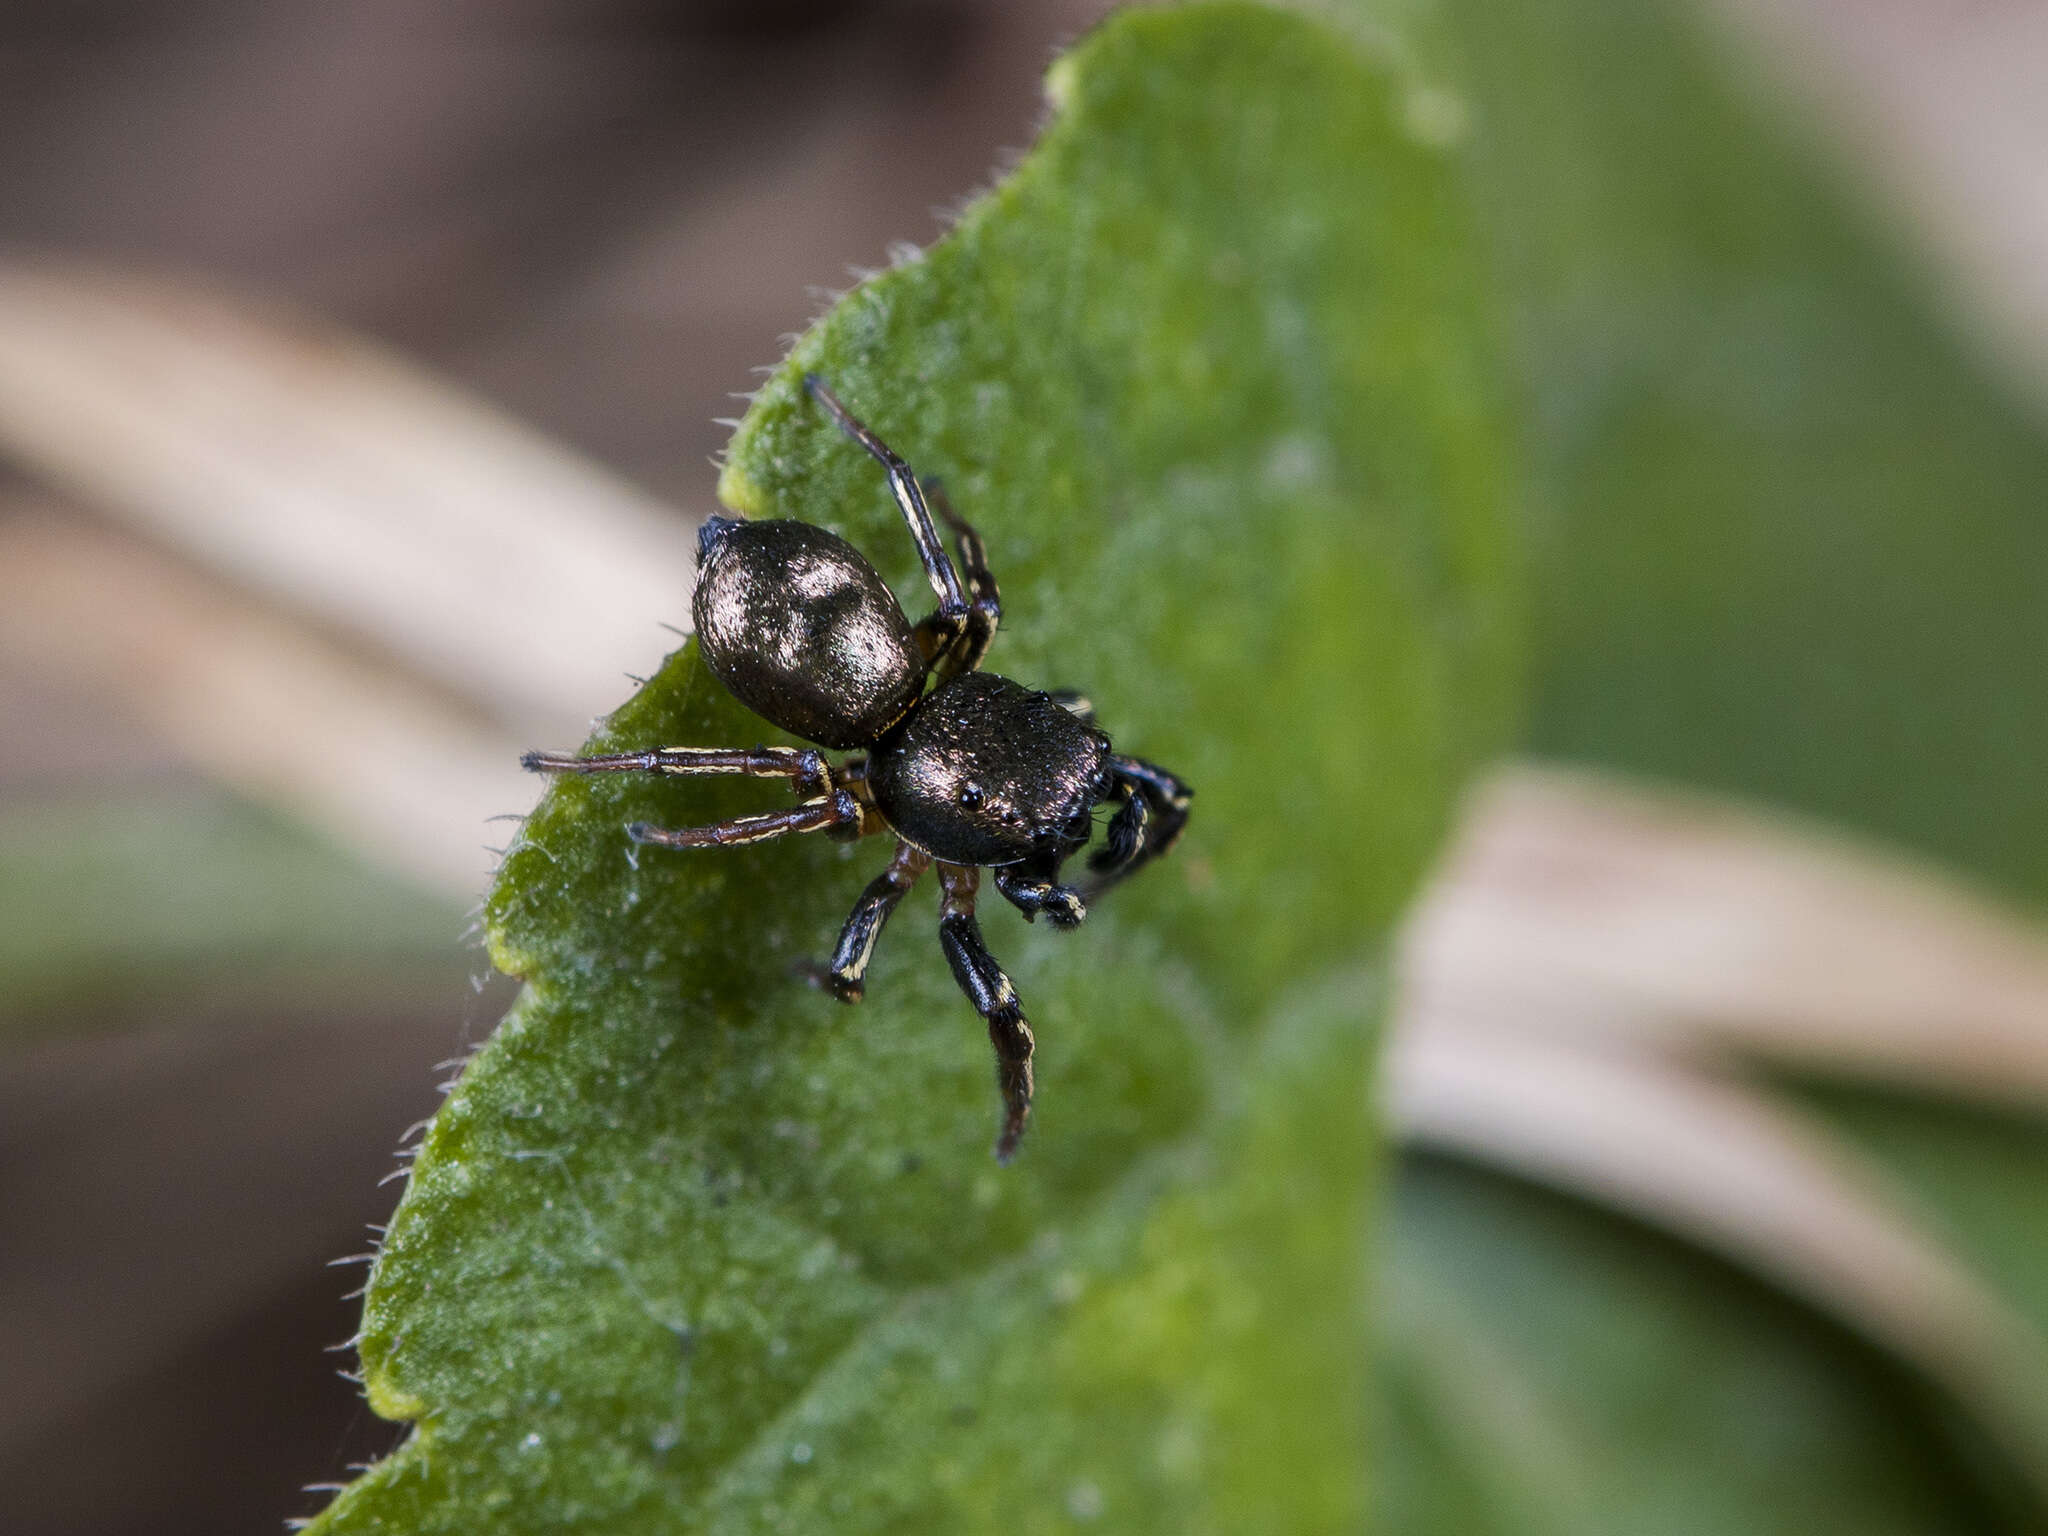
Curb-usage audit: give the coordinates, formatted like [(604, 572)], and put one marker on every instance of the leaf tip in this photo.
[(740, 492), (1060, 82), (388, 1401)]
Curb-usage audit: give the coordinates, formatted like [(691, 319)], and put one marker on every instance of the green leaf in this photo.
[(1789, 546), (1793, 546), (1975, 1176), (1551, 1369), (691, 1247)]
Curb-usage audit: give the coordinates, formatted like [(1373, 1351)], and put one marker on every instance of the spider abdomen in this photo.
[(804, 631), (986, 771)]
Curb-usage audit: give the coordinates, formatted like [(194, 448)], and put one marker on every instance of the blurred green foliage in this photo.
[(1788, 545), (109, 907), (1551, 1370), (1789, 535), (1975, 1175)]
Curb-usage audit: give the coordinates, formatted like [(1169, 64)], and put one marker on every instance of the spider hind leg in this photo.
[(826, 813), (976, 629), (832, 801), (805, 767)]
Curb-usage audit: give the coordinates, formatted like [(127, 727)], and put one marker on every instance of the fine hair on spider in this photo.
[(964, 769)]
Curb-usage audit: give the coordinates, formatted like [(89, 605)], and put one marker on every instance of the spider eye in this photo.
[(970, 796)]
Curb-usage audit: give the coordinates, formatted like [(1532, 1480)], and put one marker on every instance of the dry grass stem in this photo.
[(263, 704), (314, 468), (1584, 906)]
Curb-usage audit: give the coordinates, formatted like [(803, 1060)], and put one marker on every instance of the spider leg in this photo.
[(837, 809), (845, 977), (1074, 702), (938, 567), (1151, 814), (977, 631), (1127, 830), (805, 768), (1034, 890), (993, 997)]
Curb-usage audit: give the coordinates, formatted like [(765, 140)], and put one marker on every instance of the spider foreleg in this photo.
[(845, 977), (1151, 815), (1126, 835), (975, 969), (1032, 892)]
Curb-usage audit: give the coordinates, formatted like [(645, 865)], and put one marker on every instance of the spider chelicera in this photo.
[(965, 769)]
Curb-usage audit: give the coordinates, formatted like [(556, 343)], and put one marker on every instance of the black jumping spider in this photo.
[(964, 768)]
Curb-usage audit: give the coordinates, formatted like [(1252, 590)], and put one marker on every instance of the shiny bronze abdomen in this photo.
[(804, 631)]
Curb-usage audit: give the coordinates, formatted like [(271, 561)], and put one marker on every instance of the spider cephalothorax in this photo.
[(967, 770)]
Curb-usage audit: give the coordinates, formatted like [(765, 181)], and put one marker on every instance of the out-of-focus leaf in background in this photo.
[(1214, 374), (1977, 1174), (1554, 1369), (1789, 546), (105, 906), (1790, 542)]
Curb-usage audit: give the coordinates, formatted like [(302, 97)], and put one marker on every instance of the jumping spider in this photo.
[(964, 768)]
